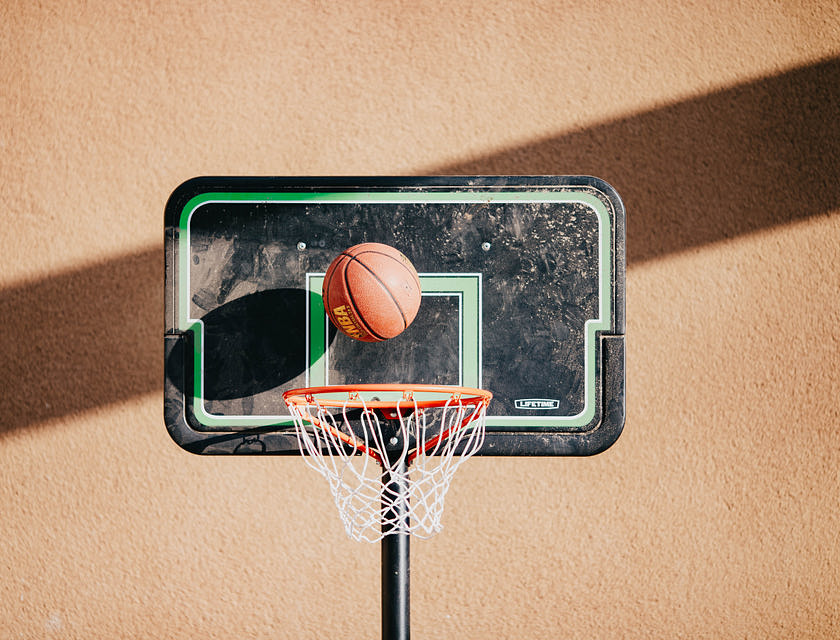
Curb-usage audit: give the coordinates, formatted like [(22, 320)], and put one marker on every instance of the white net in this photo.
[(410, 453)]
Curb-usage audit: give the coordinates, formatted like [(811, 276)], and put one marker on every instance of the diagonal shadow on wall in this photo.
[(706, 169), (82, 339), (714, 167)]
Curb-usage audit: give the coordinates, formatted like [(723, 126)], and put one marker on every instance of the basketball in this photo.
[(371, 292)]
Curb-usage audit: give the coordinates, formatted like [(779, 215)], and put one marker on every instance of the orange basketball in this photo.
[(371, 292)]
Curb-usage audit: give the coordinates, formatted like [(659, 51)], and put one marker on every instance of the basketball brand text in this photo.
[(345, 319)]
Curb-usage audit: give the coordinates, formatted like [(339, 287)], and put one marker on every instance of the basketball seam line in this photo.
[(381, 284), (353, 303), (326, 292), (411, 272), (325, 289)]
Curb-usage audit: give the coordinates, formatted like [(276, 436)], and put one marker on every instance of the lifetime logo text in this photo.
[(536, 403)]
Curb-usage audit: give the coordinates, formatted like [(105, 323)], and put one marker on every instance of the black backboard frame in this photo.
[(190, 432)]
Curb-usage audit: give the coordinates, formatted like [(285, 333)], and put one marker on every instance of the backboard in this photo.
[(522, 278)]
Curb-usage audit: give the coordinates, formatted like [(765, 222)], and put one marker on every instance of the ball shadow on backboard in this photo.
[(252, 344)]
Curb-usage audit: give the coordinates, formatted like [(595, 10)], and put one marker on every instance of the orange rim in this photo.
[(313, 396), (309, 395)]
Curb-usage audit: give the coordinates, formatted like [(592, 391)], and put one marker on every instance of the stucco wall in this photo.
[(714, 515)]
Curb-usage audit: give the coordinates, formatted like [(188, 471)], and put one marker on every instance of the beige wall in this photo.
[(715, 515)]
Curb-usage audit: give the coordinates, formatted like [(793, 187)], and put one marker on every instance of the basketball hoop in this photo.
[(412, 439)]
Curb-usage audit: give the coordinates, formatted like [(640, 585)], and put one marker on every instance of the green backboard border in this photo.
[(471, 356)]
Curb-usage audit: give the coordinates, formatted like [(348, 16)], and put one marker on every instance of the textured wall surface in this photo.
[(715, 515)]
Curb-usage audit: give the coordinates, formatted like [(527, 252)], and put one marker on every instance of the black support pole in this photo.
[(395, 559)]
